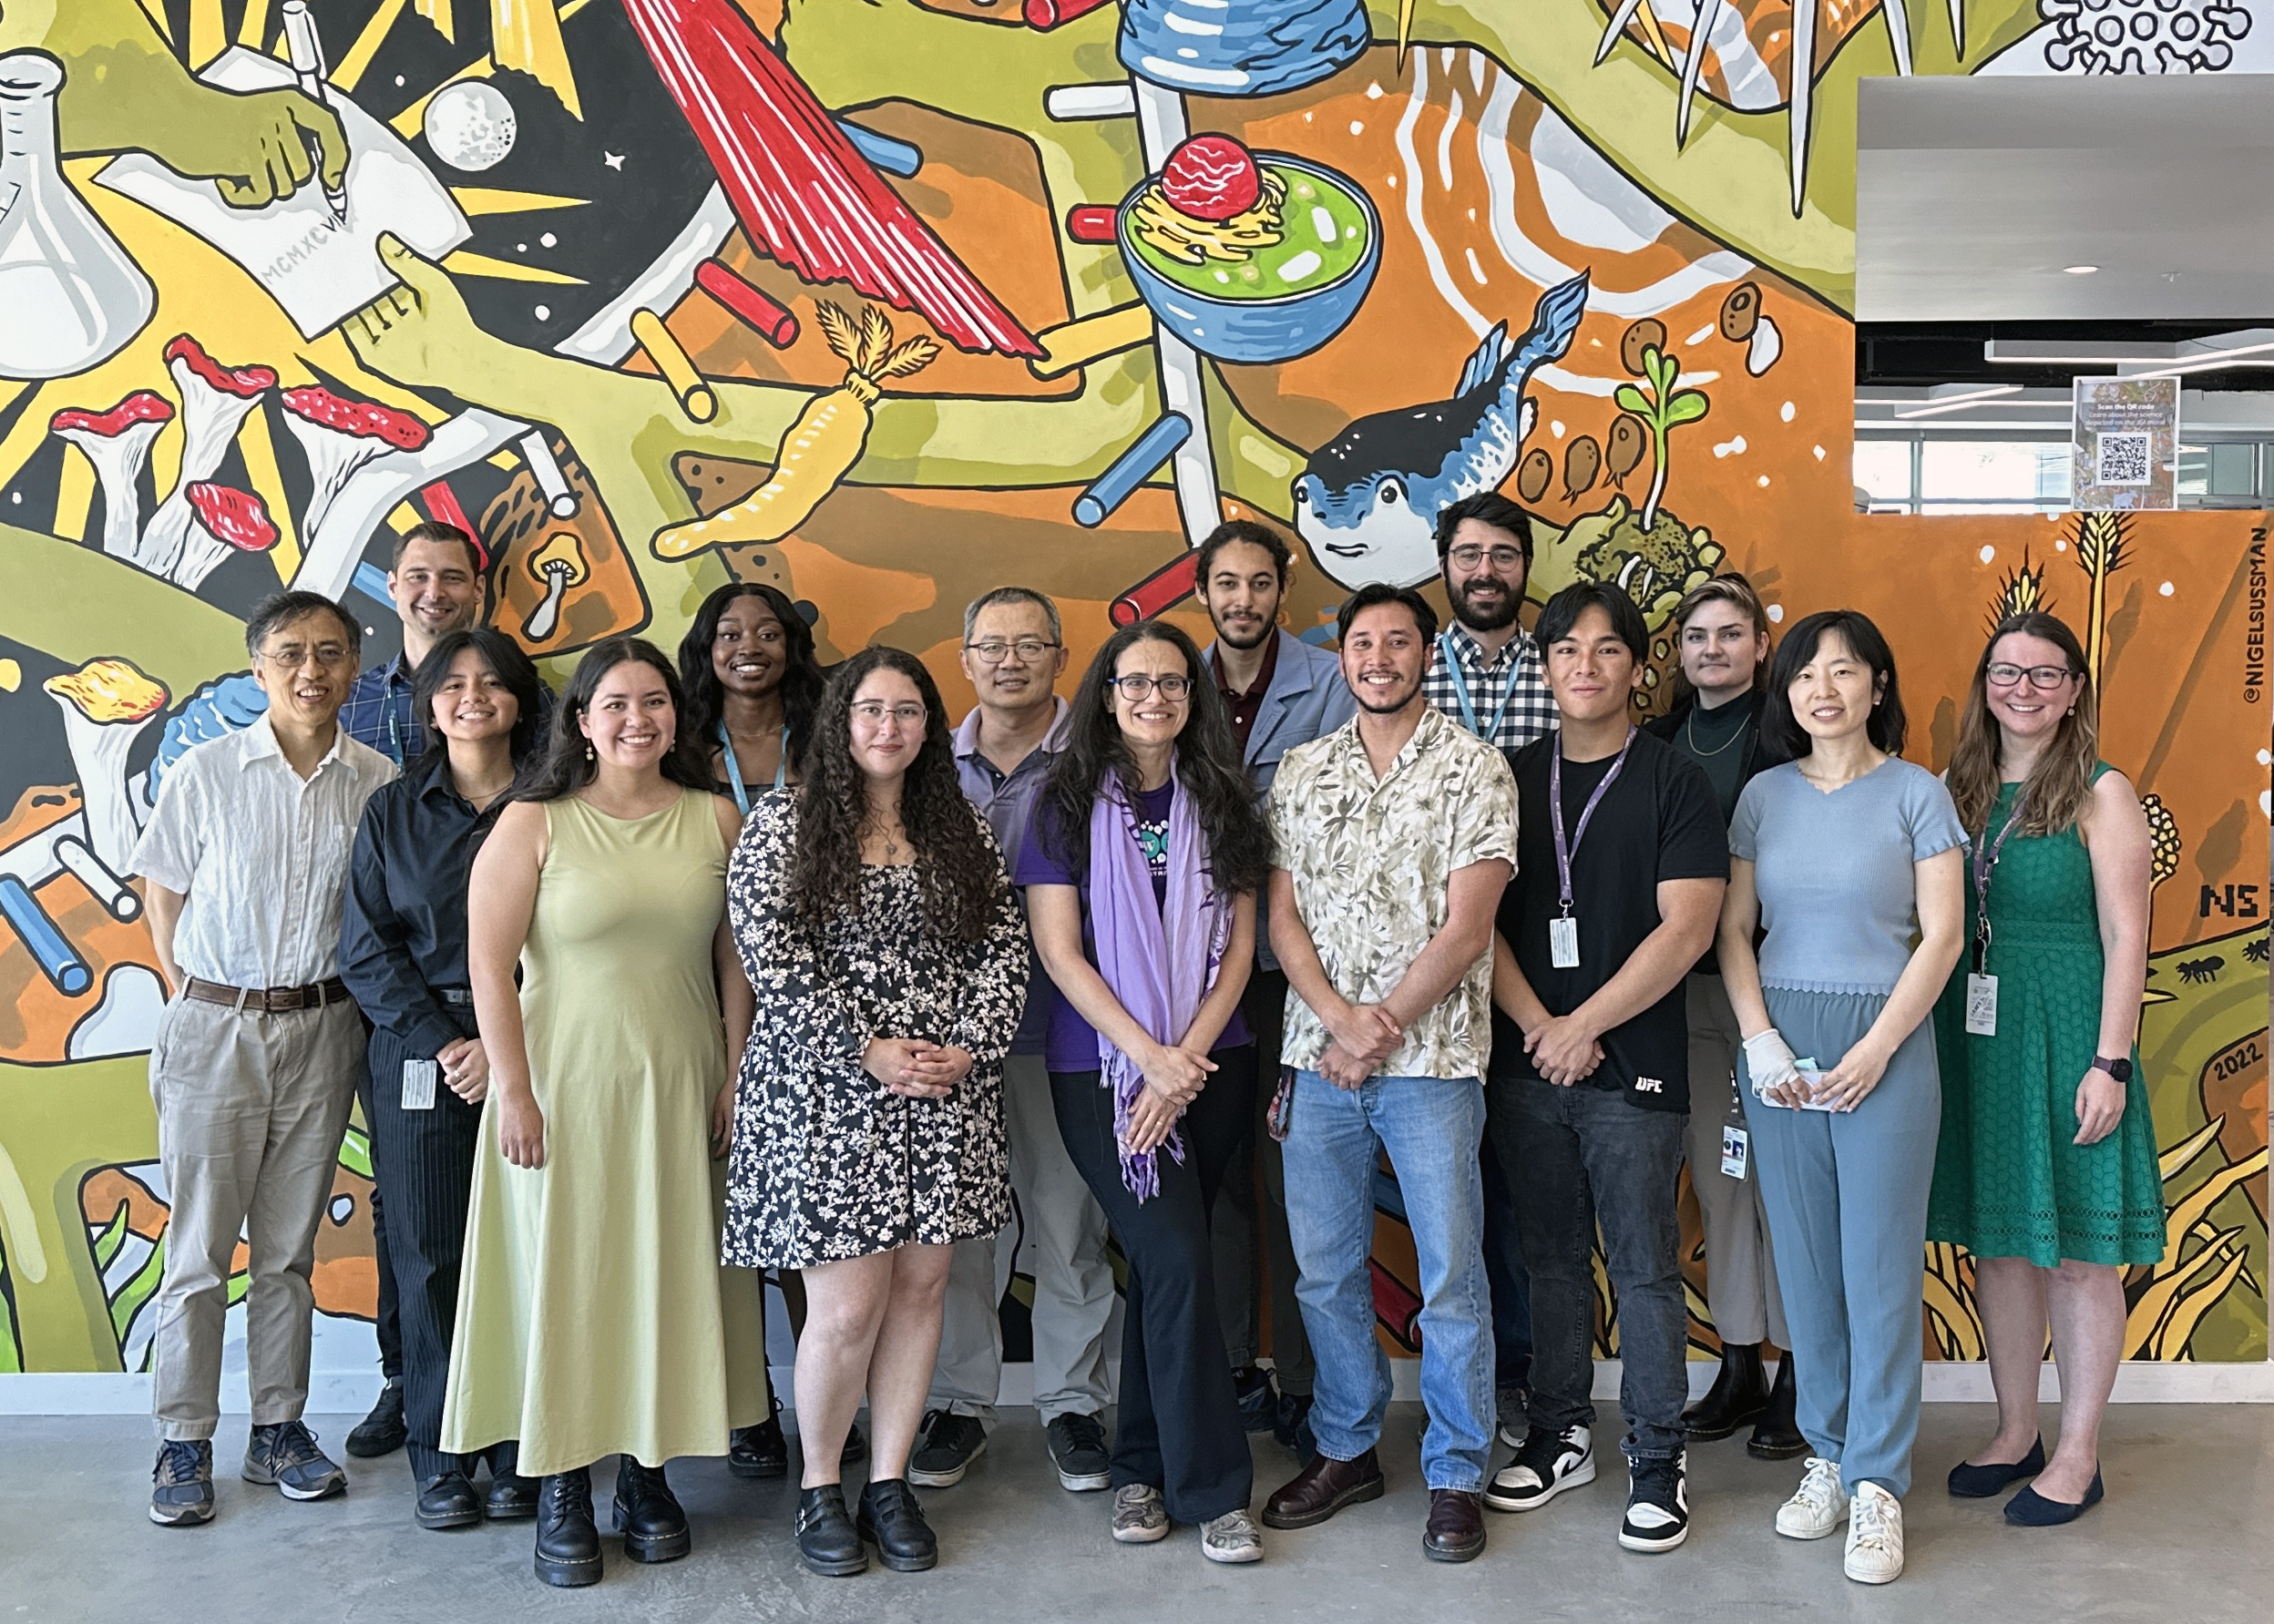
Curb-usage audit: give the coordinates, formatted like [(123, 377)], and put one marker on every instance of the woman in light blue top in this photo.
[(1846, 856)]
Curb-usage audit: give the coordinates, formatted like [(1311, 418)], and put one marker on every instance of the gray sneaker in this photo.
[(1139, 1518), (1078, 1451), (1230, 1539), (183, 1496), (286, 1454)]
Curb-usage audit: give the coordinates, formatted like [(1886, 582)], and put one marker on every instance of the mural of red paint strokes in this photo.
[(802, 189)]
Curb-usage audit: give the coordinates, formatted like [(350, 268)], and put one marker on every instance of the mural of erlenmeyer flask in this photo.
[(69, 296)]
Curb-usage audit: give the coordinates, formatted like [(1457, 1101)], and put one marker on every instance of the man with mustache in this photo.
[(1489, 676)]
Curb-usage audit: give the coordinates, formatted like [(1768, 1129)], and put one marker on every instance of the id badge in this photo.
[(418, 1084), (1736, 1151), (1563, 943), (1981, 1006), (1279, 1118)]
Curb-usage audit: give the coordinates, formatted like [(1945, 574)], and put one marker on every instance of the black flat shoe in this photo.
[(760, 1451), (447, 1501), (1979, 1482), (568, 1544), (654, 1523), (512, 1498), (1777, 1435), (383, 1431), (827, 1542), (1738, 1397), (893, 1523), (2030, 1509)]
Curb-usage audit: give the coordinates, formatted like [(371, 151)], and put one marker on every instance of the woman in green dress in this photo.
[(590, 1319), (2046, 1168)]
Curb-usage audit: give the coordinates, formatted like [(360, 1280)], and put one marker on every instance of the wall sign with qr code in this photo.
[(2126, 433)]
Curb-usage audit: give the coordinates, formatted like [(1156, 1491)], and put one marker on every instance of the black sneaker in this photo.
[(1657, 1505), (1259, 1398), (1511, 1405), (286, 1455), (1548, 1464), (1292, 1426), (949, 1445), (383, 1431), (1078, 1451), (183, 1495)]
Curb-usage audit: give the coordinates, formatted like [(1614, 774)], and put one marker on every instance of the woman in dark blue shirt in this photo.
[(402, 955)]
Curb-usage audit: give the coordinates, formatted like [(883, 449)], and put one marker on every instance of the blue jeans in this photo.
[(1432, 1129)]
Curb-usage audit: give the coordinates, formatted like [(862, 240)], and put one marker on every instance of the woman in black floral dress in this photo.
[(872, 913)]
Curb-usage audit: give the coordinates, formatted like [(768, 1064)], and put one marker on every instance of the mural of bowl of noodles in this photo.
[(1254, 257)]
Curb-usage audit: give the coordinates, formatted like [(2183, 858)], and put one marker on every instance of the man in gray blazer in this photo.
[(1281, 692)]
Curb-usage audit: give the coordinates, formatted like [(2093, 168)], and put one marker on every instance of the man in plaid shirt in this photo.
[(1488, 677)]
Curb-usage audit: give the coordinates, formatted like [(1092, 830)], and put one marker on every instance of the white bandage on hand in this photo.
[(1770, 1060)]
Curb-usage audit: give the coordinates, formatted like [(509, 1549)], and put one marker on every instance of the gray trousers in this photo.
[(1740, 1267), (1073, 1283), (251, 1110)]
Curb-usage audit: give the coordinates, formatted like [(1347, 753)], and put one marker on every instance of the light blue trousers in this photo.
[(1846, 1199)]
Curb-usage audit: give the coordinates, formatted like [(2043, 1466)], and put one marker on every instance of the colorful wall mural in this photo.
[(887, 301)]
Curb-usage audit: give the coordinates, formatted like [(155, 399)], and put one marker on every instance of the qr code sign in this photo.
[(2123, 459)]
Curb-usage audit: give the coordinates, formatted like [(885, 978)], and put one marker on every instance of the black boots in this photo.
[(893, 1523), (448, 1501), (568, 1544), (654, 1528), (826, 1538), (759, 1451), (1777, 1436), (1739, 1395)]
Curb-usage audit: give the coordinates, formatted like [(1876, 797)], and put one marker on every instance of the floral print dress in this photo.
[(827, 1162)]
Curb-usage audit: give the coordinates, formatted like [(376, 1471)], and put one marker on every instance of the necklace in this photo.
[(1689, 735)]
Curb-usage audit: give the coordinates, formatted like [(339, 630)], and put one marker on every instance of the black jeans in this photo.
[(1178, 1427), (1576, 1157), (1253, 1251)]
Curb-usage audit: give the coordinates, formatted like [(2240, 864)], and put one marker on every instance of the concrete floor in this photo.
[(2183, 1536)]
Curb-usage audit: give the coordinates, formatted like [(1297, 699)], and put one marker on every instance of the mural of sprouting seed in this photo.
[(1658, 402)]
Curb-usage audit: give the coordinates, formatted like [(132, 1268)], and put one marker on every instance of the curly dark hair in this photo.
[(1208, 765), (565, 765), (957, 868), (802, 676)]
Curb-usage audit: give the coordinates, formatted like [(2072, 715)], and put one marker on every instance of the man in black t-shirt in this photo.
[(1620, 861)]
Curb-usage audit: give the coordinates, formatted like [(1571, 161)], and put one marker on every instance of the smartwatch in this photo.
[(2119, 1069)]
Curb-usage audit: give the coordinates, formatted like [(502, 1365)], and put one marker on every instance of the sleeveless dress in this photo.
[(590, 1319), (2009, 1181)]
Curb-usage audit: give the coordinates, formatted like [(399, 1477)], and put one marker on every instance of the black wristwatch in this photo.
[(2119, 1069)]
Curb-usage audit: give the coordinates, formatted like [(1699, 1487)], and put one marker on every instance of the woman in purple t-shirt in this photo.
[(1141, 868)]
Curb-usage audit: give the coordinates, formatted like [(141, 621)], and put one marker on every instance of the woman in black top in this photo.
[(402, 955), (1721, 632)]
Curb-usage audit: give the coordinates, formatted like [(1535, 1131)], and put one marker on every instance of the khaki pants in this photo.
[(251, 1111), (1740, 1271)]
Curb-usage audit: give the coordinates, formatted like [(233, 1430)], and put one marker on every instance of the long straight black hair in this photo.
[(802, 676), (506, 661), (567, 764), (1208, 765)]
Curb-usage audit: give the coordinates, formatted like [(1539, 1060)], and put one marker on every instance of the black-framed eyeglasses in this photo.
[(2003, 674), (1138, 684), (1469, 555), (991, 651)]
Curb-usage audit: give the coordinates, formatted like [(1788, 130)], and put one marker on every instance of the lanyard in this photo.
[(1563, 852), (1448, 651), (1985, 859), (734, 768)]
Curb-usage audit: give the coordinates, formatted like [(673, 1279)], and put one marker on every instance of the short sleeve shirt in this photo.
[(1839, 896), (1657, 821), (1371, 860)]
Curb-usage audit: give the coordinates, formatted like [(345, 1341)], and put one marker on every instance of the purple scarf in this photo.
[(1159, 960)]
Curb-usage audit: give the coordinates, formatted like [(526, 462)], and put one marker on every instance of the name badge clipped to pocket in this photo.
[(1563, 943), (418, 1084), (1736, 1151), (1981, 1006)]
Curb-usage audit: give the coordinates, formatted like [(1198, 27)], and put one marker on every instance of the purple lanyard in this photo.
[(1985, 859), (1564, 852)]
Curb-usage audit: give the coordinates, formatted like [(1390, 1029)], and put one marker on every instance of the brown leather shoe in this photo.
[(1322, 1489), (1454, 1531)]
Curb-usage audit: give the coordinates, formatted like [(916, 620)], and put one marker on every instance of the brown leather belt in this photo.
[(271, 1000)]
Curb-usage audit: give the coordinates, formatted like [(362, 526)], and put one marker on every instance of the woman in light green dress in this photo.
[(590, 1319)]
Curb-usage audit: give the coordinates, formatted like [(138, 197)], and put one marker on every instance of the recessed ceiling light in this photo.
[(2079, 269)]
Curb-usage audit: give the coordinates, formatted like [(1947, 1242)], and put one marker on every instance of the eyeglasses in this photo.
[(1470, 556), (1138, 684), (1030, 650), (2003, 674), (872, 713), (291, 657)]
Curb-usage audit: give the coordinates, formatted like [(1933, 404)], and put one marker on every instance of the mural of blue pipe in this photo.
[(372, 581), (893, 157), (59, 960), (1130, 470)]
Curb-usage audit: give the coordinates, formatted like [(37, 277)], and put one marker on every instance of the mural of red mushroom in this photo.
[(215, 401), (227, 521), (339, 436), (117, 441)]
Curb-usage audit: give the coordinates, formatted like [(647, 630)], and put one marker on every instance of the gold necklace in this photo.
[(1689, 734)]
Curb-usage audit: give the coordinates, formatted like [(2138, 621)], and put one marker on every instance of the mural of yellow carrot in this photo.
[(822, 446)]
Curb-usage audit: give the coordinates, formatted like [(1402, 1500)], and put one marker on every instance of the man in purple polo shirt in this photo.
[(1013, 654)]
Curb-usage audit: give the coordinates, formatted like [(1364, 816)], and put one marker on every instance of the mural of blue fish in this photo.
[(1367, 503)]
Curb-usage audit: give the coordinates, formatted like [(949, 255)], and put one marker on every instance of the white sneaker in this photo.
[(1875, 1535), (1230, 1539), (1817, 1506)]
